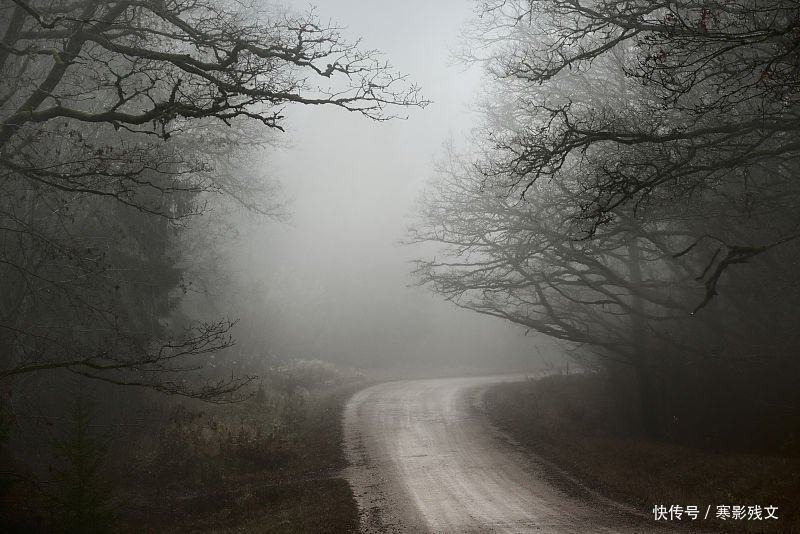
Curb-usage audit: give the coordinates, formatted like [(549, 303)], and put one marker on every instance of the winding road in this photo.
[(424, 458)]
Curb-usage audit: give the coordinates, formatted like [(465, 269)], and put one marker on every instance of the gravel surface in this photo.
[(424, 458)]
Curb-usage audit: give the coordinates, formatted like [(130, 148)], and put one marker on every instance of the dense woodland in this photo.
[(633, 191), (126, 128)]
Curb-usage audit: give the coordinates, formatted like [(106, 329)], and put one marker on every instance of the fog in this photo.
[(333, 279), (253, 278)]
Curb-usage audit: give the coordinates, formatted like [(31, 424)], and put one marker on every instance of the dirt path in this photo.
[(424, 458)]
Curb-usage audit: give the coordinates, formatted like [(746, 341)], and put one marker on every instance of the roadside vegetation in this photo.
[(133, 137), (589, 426), (268, 464)]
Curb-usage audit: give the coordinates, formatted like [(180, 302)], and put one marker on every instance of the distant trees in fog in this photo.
[(120, 121), (634, 187)]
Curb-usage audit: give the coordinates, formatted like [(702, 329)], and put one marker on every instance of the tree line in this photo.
[(632, 190), (123, 123), (123, 120)]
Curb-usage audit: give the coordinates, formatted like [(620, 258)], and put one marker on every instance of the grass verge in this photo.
[(576, 423), (247, 468)]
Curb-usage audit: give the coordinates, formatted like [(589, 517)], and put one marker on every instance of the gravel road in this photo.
[(424, 458)]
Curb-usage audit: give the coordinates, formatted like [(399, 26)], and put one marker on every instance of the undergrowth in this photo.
[(584, 426), (269, 464)]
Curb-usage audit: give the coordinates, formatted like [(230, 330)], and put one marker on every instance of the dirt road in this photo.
[(424, 458)]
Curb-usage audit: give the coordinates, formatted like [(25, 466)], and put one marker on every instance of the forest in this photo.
[(125, 135), (634, 194), (629, 190)]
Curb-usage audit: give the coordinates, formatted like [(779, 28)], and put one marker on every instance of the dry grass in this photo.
[(255, 467), (574, 422), (271, 464)]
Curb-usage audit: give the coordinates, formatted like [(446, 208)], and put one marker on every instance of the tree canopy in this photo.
[(159, 69), (632, 186), (119, 121), (665, 109)]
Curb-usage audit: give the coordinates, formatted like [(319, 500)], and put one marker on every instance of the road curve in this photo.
[(424, 458)]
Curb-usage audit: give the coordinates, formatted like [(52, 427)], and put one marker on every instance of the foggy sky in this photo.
[(332, 283)]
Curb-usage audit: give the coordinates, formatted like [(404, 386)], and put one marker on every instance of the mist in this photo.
[(366, 267), (333, 278)]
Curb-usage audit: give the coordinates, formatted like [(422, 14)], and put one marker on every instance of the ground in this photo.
[(570, 421)]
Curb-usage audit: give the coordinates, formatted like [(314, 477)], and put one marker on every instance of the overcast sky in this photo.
[(335, 278)]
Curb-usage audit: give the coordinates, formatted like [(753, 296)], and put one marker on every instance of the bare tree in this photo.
[(153, 68), (650, 105), (630, 154), (516, 260), (624, 297), (117, 120)]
